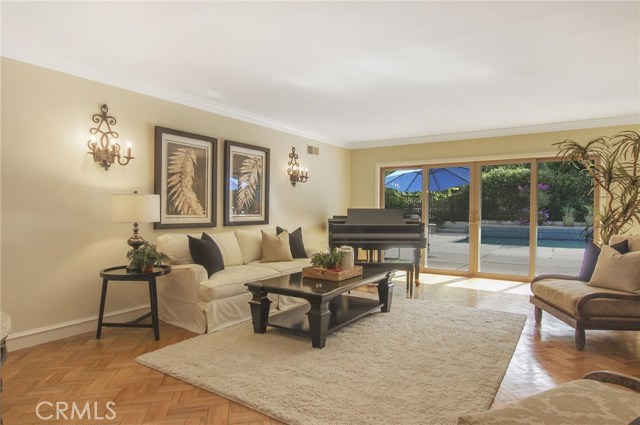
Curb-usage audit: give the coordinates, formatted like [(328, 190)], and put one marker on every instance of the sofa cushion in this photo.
[(285, 267), (275, 247), (590, 258), (250, 244), (617, 271), (295, 242), (206, 253), (229, 247), (176, 246), (582, 402), (634, 241), (565, 295), (230, 281)]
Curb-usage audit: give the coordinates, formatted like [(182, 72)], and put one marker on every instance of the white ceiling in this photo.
[(354, 74)]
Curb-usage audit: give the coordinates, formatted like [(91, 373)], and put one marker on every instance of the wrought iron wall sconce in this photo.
[(296, 174), (106, 151)]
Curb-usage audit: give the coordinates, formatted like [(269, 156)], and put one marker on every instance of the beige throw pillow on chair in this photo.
[(617, 271), (275, 247)]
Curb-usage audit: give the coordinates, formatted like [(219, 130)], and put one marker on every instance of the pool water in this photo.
[(545, 243)]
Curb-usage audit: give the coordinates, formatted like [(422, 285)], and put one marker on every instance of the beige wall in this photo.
[(56, 228), (365, 162)]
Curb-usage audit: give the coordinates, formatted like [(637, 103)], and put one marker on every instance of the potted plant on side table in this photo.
[(145, 257)]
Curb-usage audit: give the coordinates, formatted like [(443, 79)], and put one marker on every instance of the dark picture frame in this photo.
[(246, 184), (185, 178)]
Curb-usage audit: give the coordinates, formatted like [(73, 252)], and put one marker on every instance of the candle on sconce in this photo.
[(107, 151), (297, 174)]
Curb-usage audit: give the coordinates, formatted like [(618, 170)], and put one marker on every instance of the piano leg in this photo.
[(416, 265)]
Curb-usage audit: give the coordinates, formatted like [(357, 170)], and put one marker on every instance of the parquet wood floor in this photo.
[(82, 369)]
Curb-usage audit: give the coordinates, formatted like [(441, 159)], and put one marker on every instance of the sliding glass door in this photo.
[(565, 198), (505, 219), (447, 217)]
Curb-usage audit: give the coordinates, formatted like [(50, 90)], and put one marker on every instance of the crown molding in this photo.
[(510, 131), (144, 88), (207, 105)]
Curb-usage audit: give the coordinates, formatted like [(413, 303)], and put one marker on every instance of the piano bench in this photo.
[(407, 267)]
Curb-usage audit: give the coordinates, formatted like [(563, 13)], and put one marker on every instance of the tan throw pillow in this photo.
[(275, 247), (617, 271)]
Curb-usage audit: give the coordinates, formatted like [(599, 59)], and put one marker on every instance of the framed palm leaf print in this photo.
[(185, 178), (246, 184)]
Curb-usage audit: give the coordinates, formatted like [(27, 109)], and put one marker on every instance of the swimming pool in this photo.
[(545, 243)]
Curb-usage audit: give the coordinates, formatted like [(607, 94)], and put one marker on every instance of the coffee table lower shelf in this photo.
[(344, 309)]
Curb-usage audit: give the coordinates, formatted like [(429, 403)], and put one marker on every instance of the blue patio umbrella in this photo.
[(440, 178)]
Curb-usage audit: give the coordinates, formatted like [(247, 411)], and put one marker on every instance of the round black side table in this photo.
[(121, 273)]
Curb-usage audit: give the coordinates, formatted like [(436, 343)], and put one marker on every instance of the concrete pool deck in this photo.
[(448, 251)]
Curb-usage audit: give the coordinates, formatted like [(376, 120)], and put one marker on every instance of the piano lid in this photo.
[(374, 216)]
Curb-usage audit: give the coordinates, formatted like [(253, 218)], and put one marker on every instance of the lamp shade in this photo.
[(135, 208)]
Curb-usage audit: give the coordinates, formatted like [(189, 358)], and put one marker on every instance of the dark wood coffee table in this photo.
[(329, 308)]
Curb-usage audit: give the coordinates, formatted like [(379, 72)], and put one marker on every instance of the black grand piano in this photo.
[(378, 229)]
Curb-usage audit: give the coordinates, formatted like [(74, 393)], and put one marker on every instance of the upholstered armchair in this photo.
[(606, 294)]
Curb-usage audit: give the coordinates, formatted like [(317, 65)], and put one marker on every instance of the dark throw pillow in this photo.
[(590, 258), (206, 253), (295, 242)]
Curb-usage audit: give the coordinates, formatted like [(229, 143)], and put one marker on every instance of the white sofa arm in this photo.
[(183, 282)]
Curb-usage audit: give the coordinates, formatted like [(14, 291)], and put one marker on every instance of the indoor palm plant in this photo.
[(145, 257), (612, 163)]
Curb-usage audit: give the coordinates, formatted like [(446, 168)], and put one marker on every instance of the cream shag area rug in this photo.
[(422, 363)]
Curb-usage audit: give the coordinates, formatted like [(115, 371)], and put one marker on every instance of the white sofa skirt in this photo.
[(215, 315)]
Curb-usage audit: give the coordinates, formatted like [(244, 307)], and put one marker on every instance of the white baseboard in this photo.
[(38, 336)]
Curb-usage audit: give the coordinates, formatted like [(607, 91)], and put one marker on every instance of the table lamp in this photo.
[(135, 208)]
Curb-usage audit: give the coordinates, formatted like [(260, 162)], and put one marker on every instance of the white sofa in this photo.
[(190, 299)]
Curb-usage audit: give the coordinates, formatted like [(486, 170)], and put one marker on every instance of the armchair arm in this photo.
[(554, 276), (583, 302), (183, 282), (614, 378)]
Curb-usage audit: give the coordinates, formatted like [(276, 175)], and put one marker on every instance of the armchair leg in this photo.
[(537, 314), (580, 338)]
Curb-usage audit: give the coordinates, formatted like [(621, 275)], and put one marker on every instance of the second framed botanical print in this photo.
[(246, 184), (185, 178)]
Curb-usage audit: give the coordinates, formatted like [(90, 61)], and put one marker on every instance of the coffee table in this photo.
[(329, 306)]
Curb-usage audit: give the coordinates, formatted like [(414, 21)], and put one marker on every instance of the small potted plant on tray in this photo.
[(145, 257), (327, 260)]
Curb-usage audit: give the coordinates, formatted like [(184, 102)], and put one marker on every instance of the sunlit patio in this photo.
[(449, 251)]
